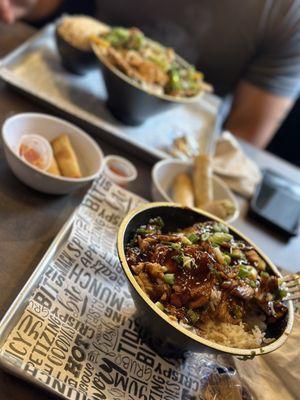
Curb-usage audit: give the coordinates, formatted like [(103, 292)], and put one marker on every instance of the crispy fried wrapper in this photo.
[(66, 157), (183, 190), (53, 169), (202, 179), (220, 208)]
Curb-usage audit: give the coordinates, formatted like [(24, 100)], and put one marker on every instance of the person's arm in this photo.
[(31, 10), (256, 114)]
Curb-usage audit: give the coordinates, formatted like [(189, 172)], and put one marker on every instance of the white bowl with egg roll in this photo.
[(88, 153), (164, 173)]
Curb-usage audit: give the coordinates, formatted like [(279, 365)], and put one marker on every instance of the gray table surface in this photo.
[(29, 220)]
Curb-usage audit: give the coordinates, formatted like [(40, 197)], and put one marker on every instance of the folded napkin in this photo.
[(275, 376), (234, 167)]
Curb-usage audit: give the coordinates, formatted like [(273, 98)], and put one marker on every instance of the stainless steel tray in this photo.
[(16, 309), (34, 69)]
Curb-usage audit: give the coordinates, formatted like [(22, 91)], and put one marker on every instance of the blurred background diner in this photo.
[(250, 53)]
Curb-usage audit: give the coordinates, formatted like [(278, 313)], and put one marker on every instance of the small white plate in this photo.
[(164, 172), (89, 154)]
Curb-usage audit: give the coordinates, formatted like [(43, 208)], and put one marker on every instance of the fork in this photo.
[(292, 285)]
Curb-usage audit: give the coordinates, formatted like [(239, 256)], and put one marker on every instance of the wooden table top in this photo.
[(30, 220)]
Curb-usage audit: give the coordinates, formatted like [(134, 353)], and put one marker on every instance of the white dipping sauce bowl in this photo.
[(123, 165), (89, 154), (164, 173)]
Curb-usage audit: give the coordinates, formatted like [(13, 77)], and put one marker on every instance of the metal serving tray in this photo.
[(34, 68), (18, 306)]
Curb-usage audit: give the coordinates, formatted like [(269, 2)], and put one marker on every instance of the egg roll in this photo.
[(66, 157), (53, 169), (183, 190), (220, 208), (202, 180)]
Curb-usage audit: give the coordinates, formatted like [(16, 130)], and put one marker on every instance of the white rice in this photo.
[(77, 30), (231, 335)]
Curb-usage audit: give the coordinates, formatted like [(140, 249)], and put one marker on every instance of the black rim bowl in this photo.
[(164, 332), (74, 60), (128, 101)]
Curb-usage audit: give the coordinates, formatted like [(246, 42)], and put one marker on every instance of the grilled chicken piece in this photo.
[(198, 302), (132, 256), (154, 270), (154, 290), (269, 284), (273, 309), (137, 269), (244, 292), (200, 294), (160, 238), (146, 243), (225, 310), (175, 300), (150, 71)]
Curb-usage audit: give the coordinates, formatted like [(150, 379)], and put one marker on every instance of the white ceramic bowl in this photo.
[(89, 154), (164, 172)]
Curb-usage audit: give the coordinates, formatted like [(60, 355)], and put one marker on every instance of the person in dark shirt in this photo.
[(250, 49)]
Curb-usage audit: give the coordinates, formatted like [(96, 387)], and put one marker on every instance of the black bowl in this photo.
[(129, 101), (162, 333), (76, 61)]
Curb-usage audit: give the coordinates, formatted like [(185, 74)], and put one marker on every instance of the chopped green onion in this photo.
[(205, 236), (192, 316), (220, 237), (252, 284), (186, 241), (160, 306), (219, 227), (237, 254), (188, 262), (175, 82), (175, 246), (227, 259), (117, 36), (169, 279), (246, 271), (219, 255), (282, 293), (135, 40), (264, 274), (143, 231), (215, 272), (178, 258), (193, 237)]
